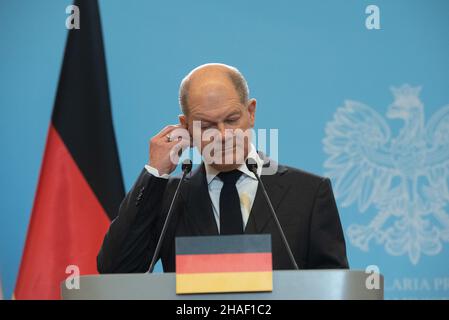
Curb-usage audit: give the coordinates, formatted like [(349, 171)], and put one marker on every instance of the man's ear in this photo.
[(183, 121), (252, 111), (185, 124)]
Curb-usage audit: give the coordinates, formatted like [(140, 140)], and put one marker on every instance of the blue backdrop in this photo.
[(302, 60)]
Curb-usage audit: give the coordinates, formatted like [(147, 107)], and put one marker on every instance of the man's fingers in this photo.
[(181, 141), (167, 130), (178, 134), (184, 143)]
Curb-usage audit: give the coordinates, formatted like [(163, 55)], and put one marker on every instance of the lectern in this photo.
[(287, 285)]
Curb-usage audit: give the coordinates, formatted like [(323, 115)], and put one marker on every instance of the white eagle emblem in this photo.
[(405, 178)]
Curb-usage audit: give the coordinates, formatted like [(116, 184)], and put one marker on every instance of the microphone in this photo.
[(186, 168), (251, 164)]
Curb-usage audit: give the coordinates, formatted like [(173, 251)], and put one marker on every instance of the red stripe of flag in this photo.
[(229, 262), (67, 226)]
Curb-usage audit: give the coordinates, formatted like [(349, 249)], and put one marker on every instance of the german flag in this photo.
[(80, 184), (234, 263)]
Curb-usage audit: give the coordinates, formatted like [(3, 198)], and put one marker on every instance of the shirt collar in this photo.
[(211, 172)]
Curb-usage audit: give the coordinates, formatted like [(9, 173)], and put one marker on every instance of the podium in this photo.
[(287, 285)]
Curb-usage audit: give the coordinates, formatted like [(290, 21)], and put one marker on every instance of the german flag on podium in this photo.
[(233, 263)]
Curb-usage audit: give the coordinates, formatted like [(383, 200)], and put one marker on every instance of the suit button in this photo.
[(139, 196)]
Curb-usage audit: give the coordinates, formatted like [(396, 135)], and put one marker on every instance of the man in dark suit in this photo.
[(222, 197)]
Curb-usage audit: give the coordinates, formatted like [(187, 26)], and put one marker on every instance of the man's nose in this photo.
[(225, 133), (221, 128)]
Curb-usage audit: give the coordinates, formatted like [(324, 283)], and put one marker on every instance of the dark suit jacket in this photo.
[(304, 203)]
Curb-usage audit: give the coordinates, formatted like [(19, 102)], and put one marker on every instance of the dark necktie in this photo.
[(230, 212)]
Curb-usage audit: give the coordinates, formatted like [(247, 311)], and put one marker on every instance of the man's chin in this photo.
[(228, 161), (225, 167)]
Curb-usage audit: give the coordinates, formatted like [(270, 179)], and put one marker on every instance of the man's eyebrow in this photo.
[(203, 118), (234, 113)]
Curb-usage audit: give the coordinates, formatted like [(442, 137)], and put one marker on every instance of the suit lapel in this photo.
[(199, 204), (260, 212)]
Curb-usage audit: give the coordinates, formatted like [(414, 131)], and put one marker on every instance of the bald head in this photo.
[(210, 77)]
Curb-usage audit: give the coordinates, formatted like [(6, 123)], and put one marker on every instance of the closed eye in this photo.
[(205, 125), (232, 120)]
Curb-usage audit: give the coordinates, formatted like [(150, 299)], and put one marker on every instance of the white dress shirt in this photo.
[(246, 186)]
